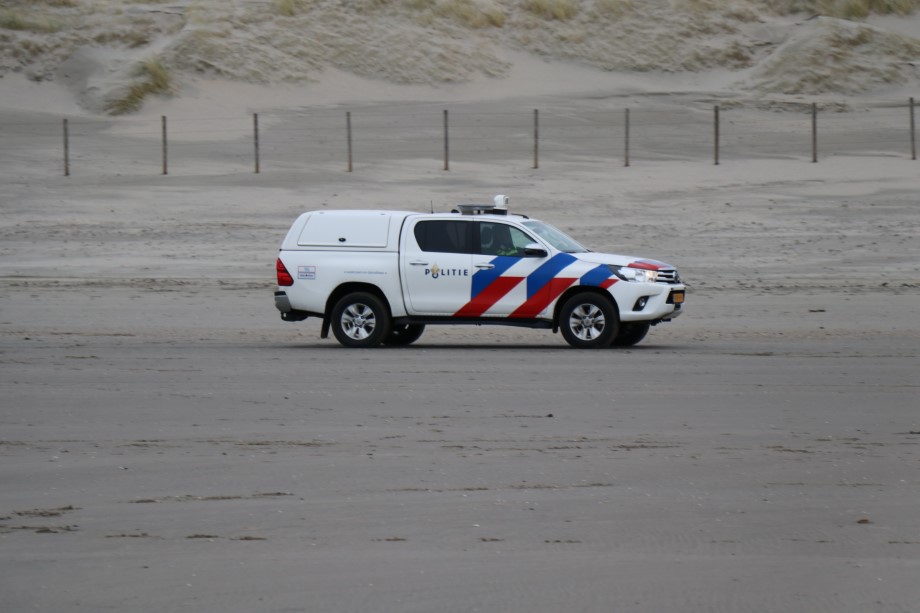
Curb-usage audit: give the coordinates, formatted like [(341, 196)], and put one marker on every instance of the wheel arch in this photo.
[(581, 289), (343, 290)]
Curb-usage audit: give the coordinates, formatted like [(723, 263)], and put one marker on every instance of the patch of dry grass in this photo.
[(473, 13), (366, 6), (613, 8), (560, 10), (846, 9), (739, 10), (155, 79), (15, 20), (290, 8), (860, 9)]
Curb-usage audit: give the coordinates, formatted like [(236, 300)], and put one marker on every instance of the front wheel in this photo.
[(360, 320), (630, 334), (588, 321), (402, 335)]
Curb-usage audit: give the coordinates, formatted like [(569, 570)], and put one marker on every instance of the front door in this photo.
[(507, 282)]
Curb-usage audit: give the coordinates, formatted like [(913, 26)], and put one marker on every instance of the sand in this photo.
[(99, 50), (168, 443)]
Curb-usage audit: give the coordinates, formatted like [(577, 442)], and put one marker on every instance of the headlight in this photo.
[(636, 275)]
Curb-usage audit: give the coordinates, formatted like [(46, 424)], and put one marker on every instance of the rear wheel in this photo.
[(630, 334), (405, 334), (360, 320), (588, 321)]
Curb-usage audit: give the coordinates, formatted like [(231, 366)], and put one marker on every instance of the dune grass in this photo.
[(860, 9), (473, 13), (290, 8), (155, 79), (847, 9), (613, 8), (560, 10), (14, 20)]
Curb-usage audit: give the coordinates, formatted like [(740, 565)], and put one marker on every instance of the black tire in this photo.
[(405, 334), (630, 334), (360, 320), (588, 321)]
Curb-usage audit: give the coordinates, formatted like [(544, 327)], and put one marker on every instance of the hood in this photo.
[(622, 260)]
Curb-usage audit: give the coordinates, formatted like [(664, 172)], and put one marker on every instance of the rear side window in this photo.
[(444, 236)]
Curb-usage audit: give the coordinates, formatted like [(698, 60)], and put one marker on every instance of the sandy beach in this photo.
[(167, 443)]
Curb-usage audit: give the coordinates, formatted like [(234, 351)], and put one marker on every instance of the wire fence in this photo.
[(355, 139)]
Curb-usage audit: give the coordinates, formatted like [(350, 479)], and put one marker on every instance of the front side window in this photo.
[(443, 236), (502, 239), (555, 237)]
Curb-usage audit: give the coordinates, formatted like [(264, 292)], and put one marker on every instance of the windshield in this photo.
[(555, 237)]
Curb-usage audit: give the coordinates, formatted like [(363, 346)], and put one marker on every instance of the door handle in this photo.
[(485, 266), (417, 263)]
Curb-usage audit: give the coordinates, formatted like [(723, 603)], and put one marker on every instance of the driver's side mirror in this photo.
[(533, 250)]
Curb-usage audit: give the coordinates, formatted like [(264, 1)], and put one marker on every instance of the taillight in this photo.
[(284, 277)]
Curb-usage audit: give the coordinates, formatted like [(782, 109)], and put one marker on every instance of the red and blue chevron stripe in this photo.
[(543, 285), (489, 286)]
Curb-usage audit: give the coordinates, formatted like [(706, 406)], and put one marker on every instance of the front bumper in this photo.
[(650, 302)]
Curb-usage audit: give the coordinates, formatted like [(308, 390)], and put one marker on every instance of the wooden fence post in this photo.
[(255, 132), (536, 138), (715, 124), (348, 137), (913, 132), (164, 145), (814, 133), (66, 149), (446, 144), (626, 162)]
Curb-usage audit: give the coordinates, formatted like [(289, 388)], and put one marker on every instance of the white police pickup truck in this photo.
[(382, 276)]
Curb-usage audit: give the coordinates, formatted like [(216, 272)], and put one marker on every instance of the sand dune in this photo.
[(99, 49)]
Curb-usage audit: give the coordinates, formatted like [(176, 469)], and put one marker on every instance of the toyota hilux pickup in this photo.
[(381, 276)]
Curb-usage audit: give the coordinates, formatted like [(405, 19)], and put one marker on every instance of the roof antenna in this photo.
[(432, 206)]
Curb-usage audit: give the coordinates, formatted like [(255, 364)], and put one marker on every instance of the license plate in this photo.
[(678, 297)]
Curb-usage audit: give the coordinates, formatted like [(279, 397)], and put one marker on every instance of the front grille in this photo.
[(668, 276)]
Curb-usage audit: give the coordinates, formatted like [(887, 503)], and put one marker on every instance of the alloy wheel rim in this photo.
[(587, 322), (358, 321)]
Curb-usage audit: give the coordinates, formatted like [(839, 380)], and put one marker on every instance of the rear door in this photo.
[(436, 264)]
